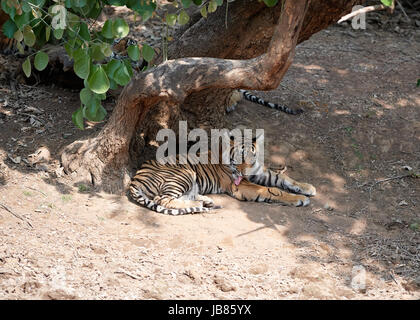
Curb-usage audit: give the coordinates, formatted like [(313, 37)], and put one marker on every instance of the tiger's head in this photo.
[(243, 158)]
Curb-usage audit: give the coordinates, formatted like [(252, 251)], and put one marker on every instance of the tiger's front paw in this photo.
[(301, 201), (307, 189)]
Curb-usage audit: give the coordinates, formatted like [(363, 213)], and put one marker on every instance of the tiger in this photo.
[(119, 51), (178, 189), (236, 96)]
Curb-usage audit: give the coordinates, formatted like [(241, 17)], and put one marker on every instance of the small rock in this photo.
[(328, 207), (67, 135), (41, 155), (33, 110), (223, 285), (59, 172), (14, 160), (403, 203), (41, 167), (408, 168), (97, 249), (35, 123), (258, 269)]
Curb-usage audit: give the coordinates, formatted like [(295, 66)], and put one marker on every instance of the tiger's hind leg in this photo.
[(171, 202), (184, 196), (249, 191), (207, 201), (270, 178)]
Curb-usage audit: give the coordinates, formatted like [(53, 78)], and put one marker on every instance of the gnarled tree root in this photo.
[(83, 162)]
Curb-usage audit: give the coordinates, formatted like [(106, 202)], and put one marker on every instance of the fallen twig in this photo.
[(15, 214), (402, 9), (362, 10), (385, 180), (43, 193), (392, 178), (128, 274)]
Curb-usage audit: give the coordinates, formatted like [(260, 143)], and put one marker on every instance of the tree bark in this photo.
[(3, 39), (254, 52)]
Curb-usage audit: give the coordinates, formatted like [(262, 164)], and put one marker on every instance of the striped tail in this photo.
[(141, 198), (249, 96)]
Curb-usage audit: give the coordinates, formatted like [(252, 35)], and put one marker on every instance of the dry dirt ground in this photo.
[(361, 126)]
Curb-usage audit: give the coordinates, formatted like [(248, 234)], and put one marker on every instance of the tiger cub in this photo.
[(177, 189), (238, 94)]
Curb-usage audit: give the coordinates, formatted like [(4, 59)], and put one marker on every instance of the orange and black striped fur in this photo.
[(177, 189), (237, 95)]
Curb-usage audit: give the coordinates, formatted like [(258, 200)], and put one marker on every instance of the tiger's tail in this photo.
[(249, 96), (138, 196)]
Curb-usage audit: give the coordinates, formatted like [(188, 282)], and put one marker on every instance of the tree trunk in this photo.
[(253, 52)]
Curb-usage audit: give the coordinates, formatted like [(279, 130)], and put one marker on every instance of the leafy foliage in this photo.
[(387, 3), (71, 23)]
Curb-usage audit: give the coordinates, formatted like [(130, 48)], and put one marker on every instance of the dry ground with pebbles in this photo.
[(361, 126)]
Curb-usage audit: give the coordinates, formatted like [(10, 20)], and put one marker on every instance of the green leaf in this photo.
[(9, 28), (28, 36), (47, 33), (18, 35), (77, 118), (117, 2), (20, 48), (186, 3), (171, 19), (120, 28), (122, 76), (95, 112), (212, 7), (272, 3), (96, 53), (387, 3), (91, 108), (111, 67), (106, 49), (58, 33), (128, 66), (98, 81), (78, 3), (418, 82), (26, 66), (41, 61), (112, 84), (85, 95), (81, 63), (23, 20), (147, 52), (107, 30), (183, 17), (203, 11), (84, 32), (133, 52)]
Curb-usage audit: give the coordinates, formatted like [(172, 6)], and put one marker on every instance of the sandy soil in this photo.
[(361, 126)]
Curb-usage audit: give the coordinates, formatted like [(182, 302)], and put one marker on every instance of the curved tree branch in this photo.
[(195, 74)]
